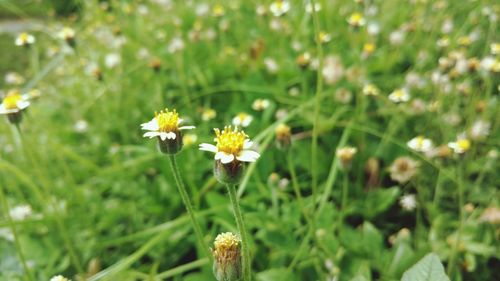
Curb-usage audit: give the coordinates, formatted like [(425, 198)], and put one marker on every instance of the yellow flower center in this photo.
[(463, 144), (167, 120), (230, 141), (23, 37), (356, 18), (226, 241), (10, 102)]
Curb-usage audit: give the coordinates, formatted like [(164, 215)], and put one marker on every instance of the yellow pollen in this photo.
[(226, 241), (167, 120), (463, 144), (10, 102), (230, 141), (356, 18), (24, 37)]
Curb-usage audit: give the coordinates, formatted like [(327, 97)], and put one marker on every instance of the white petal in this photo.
[(187, 127), (226, 158), (171, 136), (151, 134), (179, 121), (248, 156), (208, 147), (219, 155), (22, 104), (151, 125), (163, 136), (247, 144)]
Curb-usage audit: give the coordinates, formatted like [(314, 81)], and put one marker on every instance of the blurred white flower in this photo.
[(447, 26), (397, 37), (112, 60), (175, 45), (279, 7), (373, 28), (14, 78), (242, 120), (400, 95), (25, 39), (461, 145), (59, 278), (271, 65), (480, 130), (333, 70), (309, 7), (20, 212), (408, 202), (403, 169), (260, 104), (81, 126), (420, 144)]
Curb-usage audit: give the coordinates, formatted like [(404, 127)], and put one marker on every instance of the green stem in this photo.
[(345, 190), (456, 246), (189, 206), (241, 228), (319, 86), (296, 189), (16, 236)]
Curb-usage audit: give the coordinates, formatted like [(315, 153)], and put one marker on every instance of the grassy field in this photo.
[(376, 123)]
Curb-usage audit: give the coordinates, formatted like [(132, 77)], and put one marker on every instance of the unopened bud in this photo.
[(227, 257), (230, 173), (283, 136)]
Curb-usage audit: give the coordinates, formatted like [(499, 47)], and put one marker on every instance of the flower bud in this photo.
[(227, 257), (230, 173), (171, 146), (345, 155), (283, 136)]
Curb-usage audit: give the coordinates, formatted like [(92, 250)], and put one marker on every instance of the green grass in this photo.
[(105, 205)]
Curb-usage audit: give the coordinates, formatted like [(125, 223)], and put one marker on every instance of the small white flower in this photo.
[(20, 212), (164, 125), (400, 95), (67, 33), (260, 104), (480, 129), (112, 60), (25, 39), (279, 7), (81, 126), (397, 37), (176, 45), (242, 120), (13, 103), (420, 144), (14, 78), (460, 146), (408, 202), (231, 145), (271, 65), (309, 7)]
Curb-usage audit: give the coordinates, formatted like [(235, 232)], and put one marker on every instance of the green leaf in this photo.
[(427, 269), (379, 201)]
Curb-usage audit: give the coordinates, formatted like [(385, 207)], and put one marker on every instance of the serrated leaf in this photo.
[(428, 268)]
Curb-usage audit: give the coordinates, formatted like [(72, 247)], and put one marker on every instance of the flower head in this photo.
[(231, 145), (242, 119), (345, 155), (25, 39), (408, 202), (420, 144), (67, 34), (227, 257), (371, 90), (399, 95), (283, 136), (460, 146), (279, 7), (260, 104), (14, 102), (356, 20), (165, 126), (403, 169)]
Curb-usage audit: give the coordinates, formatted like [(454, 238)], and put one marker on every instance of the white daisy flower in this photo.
[(460, 146), (25, 39), (279, 8), (420, 144), (242, 120), (164, 125), (400, 95), (14, 102), (231, 145)]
